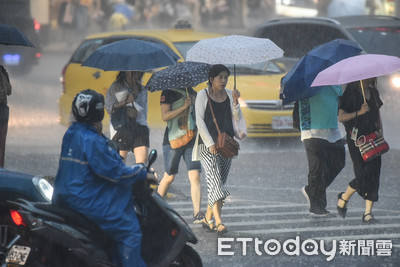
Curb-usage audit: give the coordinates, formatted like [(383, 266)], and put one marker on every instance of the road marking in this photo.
[(314, 229), (285, 205)]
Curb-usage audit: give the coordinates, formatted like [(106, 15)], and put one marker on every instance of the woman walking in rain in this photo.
[(177, 110), (361, 117), (127, 92), (227, 112)]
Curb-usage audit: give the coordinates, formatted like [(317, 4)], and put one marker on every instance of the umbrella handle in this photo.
[(234, 76), (362, 90)]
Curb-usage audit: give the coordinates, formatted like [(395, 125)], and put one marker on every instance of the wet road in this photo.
[(265, 181)]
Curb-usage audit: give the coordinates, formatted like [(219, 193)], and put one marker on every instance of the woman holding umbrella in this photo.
[(359, 112), (128, 93), (228, 114), (178, 111)]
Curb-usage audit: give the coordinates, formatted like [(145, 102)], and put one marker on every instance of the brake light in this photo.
[(38, 55), (17, 218), (36, 24), (174, 232), (381, 29), (62, 78)]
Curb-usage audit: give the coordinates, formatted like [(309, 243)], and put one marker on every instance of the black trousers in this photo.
[(367, 174), (325, 161), (4, 115)]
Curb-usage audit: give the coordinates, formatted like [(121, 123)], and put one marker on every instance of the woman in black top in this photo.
[(216, 167), (362, 118)]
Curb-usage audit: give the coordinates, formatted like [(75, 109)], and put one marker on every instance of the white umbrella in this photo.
[(234, 49)]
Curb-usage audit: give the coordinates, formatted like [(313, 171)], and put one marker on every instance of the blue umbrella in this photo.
[(296, 84), (131, 55), (10, 35), (181, 75)]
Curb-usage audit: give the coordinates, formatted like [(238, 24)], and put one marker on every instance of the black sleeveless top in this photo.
[(223, 115)]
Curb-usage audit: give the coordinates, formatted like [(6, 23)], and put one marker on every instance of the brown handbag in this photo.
[(225, 145)]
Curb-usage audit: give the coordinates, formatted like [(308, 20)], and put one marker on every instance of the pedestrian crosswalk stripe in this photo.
[(314, 229), (247, 207), (283, 219), (297, 221)]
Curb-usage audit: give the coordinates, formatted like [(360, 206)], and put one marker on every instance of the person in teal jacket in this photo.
[(92, 178), (324, 145)]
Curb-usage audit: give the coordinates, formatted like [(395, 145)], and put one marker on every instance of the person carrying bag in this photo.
[(126, 102), (217, 111), (177, 110), (181, 129), (359, 111)]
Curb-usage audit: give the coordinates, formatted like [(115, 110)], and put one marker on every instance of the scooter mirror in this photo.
[(152, 158)]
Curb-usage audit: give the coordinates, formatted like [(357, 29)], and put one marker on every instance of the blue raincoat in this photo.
[(92, 179)]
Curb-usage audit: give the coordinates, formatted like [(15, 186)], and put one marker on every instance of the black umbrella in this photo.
[(181, 75), (9, 35)]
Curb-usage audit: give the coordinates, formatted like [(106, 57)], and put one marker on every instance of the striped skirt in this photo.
[(216, 169)]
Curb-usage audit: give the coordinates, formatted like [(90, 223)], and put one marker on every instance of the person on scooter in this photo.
[(93, 179)]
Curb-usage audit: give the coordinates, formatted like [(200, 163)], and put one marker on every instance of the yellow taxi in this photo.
[(258, 84)]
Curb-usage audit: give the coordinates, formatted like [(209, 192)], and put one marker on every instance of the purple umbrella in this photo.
[(357, 68)]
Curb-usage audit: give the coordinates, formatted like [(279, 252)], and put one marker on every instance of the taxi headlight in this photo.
[(395, 81), (242, 103)]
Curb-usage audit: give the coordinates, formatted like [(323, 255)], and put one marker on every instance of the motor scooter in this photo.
[(47, 235), (14, 185)]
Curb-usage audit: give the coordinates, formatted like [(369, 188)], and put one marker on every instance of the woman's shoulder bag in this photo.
[(224, 144)]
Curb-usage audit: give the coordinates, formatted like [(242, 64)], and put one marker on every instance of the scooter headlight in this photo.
[(44, 187)]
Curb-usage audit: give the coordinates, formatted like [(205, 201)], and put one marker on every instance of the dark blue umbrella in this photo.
[(131, 55), (295, 85), (181, 75), (10, 35)]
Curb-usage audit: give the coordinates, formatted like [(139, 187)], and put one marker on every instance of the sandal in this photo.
[(372, 220), (342, 211), (208, 225), (198, 218), (223, 231)]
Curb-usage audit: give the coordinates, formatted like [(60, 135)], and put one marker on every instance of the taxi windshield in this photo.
[(183, 47)]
